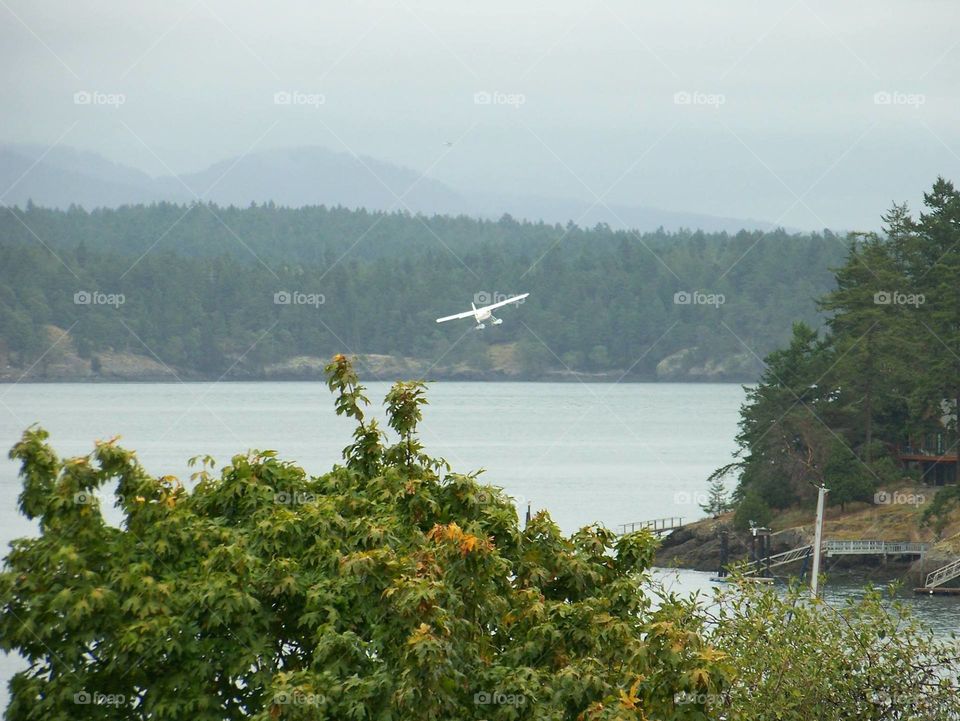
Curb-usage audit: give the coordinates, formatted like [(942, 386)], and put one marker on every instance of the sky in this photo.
[(806, 114)]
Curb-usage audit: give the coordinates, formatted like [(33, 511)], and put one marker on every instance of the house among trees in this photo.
[(933, 454)]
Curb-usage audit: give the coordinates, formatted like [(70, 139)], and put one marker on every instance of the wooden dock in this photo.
[(937, 591)]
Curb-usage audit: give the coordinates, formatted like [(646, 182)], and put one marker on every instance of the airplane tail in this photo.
[(474, 307)]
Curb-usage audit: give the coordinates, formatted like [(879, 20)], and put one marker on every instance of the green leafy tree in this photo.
[(388, 588)]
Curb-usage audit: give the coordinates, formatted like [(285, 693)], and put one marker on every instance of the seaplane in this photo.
[(484, 313)]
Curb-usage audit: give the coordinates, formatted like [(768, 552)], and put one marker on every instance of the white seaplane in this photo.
[(484, 313)]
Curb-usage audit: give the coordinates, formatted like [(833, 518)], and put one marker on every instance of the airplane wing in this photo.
[(465, 314), (502, 303)]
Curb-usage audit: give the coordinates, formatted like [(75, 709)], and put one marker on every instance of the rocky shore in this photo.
[(697, 545), (63, 363)]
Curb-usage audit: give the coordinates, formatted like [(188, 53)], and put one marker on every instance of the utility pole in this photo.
[(817, 541)]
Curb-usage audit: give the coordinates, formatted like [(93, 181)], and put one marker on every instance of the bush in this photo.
[(797, 660)]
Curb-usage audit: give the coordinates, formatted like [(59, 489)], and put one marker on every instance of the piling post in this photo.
[(817, 542)]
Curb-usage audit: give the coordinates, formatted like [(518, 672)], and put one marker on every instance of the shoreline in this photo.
[(697, 546), (501, 364), (577, 378)]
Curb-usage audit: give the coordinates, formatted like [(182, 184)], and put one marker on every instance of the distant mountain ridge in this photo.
[(304, 176)]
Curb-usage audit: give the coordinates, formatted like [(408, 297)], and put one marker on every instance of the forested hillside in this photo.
[(881, 386), (202, 289)]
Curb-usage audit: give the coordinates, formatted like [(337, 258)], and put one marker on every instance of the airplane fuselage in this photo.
[(485, 313)]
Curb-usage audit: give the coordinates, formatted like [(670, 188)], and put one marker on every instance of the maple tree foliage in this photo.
[(388, 588)]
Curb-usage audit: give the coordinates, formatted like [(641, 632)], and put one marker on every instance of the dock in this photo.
[(935, 580)]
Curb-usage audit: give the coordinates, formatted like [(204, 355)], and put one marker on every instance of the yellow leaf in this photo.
[(469, 543), (712, 654), (419, 635), (700, 676)]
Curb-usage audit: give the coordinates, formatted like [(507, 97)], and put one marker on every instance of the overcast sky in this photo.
[(761, 109)]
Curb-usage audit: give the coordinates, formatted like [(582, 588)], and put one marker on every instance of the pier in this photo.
[(875, 548), (856, 547), (657, 525), (935, 580), (779, 559)]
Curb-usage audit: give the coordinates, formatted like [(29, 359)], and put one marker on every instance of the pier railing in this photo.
[(879, 548), (749, 568), (943, 574), (851, 548), (657, 525)]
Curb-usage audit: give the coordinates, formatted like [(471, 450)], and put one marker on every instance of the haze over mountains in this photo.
[(302, 176)]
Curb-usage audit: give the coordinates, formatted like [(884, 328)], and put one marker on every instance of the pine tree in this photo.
[(717, 502), (935, 259)]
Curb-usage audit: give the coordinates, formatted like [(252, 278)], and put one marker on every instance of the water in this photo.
[(586, 452), (940, 613), (589, 453)]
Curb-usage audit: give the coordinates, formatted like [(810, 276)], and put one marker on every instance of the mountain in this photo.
[(316, 176), (65, 176), (302, 176)]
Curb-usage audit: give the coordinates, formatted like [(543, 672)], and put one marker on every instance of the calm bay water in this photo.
[(586, 452), (589, 453)]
